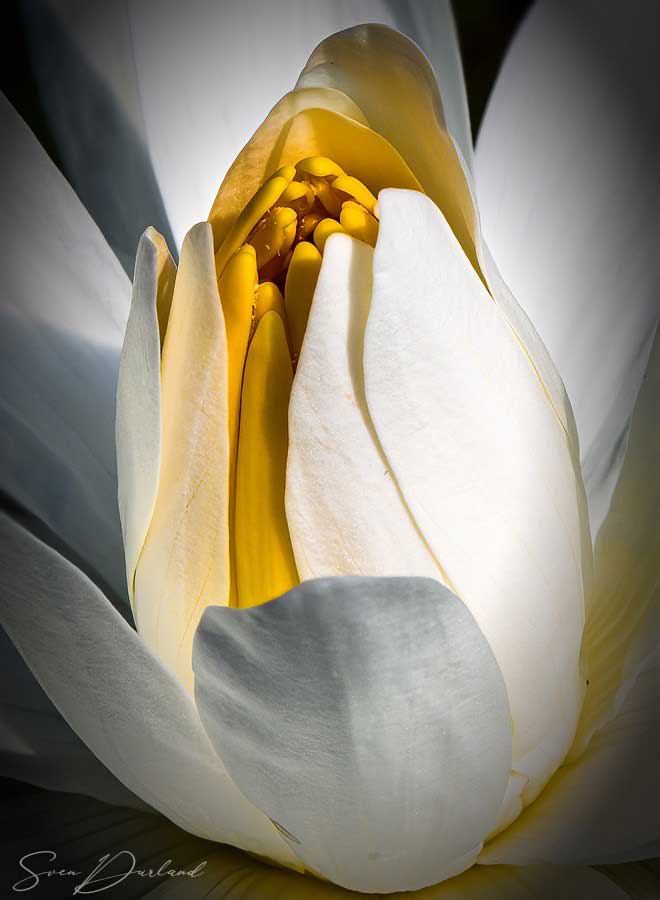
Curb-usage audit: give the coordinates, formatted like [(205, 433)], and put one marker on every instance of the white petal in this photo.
[(120, 700), (38, 746), (80, 830), (370, 63), (622, 631), (604, 808), (209, 73), (484, 465), (82, 61), (64, 308), (433, 28), (345, 512), (184, 564), (569, 202), (368, 718), (138, 426)]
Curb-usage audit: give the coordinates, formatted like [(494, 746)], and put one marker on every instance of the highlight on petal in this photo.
[(185, 560), (345, 512), (603, 808), (367, 717), (485, 467), (121, 701), (138, 426), (64, 306), (370, 63), (565, 167), (79, 829)]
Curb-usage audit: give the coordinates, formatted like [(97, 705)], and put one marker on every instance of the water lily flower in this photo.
[(383, 610)]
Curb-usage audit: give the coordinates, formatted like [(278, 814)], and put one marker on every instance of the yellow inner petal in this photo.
[(237, 287), (265, 567)]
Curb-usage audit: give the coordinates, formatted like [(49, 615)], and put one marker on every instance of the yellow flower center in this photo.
[(268, 267)]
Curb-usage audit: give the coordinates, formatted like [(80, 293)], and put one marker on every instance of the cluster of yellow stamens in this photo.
[(268, 266)]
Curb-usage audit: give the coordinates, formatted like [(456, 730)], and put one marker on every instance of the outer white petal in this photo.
[(622, 632), (64, 305), (138, 426), (370, 63), (38, 746), (120, 700), (222, 66), (80, 830), (605, 807), (568, 190), (484, 465), (81, 57), (368, 718), (345, 512)]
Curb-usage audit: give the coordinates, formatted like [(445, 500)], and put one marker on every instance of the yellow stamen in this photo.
[(330, 201), (263, 200), (294, 191), (237, 288), (265, 565), (299, 290), (357, 222), (354, 188), (318, 167), (269, 297), (319, 172), (274, 234), (308, 223), (323, 230)]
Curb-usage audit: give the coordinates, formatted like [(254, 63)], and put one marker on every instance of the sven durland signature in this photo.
[(110, 871)]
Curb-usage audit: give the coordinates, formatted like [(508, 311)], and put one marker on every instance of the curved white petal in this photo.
[(38, 746), (119, 699), (605, 808), (209, 72), (80, 830), (622, 631), (345, 512), (138, 426), (396, 89), (82, 62), (484, 465), (184, 564), (568, 193), (368, 718), (64, 305)]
